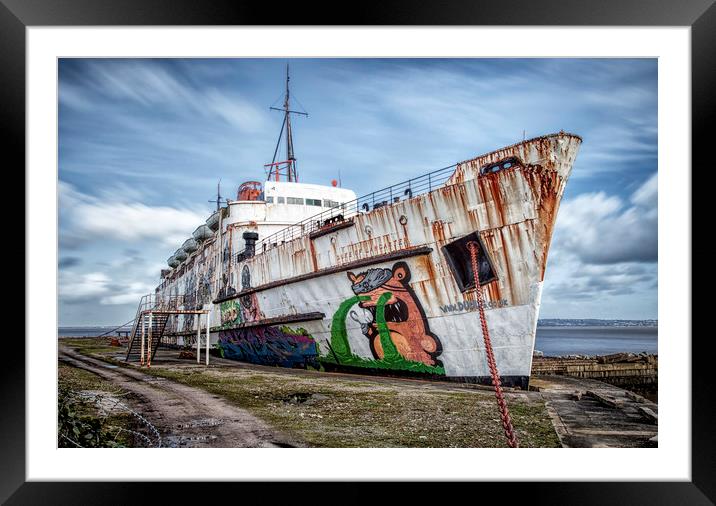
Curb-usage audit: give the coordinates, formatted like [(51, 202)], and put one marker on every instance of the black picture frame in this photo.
[(700, 15)]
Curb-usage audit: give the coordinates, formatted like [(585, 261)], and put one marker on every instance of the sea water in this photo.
[(582, 340)]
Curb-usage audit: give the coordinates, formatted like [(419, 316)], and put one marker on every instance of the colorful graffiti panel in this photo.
[(277, 346), (230, 314)]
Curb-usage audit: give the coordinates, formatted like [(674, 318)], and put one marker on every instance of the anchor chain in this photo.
[(474, 247)]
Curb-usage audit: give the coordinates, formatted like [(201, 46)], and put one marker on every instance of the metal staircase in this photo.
[(150, 323)]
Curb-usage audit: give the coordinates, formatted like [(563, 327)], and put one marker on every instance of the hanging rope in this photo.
[(474, 247)]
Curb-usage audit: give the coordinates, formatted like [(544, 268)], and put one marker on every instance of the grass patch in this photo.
[(90, 345), (330, 412)]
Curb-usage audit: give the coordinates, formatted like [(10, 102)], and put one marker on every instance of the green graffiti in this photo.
[(390, 352), (339, 335), (340, 351), (298, 331), (230, 314)]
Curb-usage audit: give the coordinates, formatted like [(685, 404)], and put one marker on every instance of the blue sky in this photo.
[(142, 144)]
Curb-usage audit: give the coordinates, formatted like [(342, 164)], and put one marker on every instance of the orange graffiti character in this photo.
[(404, 315)]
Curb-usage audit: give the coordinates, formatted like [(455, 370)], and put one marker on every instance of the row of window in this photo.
[(299, 201)]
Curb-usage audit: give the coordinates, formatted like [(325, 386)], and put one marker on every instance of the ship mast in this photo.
[(219, 199), (289, 164)]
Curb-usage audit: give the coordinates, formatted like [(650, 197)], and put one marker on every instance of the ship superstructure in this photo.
[(302, 275)]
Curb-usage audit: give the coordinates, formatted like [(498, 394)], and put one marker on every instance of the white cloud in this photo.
[(74, 97), (138, 221), (91, 219), (82, 287), (604, 229), (114, 232), (603, 259), (131, 293), (136, 80), (99, 287), (234, 110), (151, 84), (646, 195)]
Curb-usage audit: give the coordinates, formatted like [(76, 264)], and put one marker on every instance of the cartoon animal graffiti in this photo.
[(404, 316)]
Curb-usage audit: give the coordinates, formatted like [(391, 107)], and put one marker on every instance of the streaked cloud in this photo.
[(606, 229), (87, 218)]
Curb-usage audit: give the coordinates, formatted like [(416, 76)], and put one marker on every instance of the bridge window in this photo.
[(313, 202), (269, 200), (506, 163), (330, 203), (280, 200), (294, 200)]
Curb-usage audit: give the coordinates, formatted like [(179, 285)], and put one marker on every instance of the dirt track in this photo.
[(185, 416)]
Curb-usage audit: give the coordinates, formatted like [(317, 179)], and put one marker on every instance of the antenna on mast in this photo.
[(219, 200), (290, 163)]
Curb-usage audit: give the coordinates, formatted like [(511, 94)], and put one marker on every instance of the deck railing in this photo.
[(159, 302), (331, 217)]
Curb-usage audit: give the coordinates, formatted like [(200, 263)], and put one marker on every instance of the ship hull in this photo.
[(388, 291)]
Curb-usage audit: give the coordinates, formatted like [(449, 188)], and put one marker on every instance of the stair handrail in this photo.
[(158, 302), (137, 322)]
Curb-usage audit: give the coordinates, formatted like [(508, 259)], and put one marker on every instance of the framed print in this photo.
[(118, 109)]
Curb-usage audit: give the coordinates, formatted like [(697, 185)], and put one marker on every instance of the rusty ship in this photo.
[(303, 275)]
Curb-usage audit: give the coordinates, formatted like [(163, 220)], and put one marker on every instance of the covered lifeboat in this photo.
[(202, 233), (190, 246)]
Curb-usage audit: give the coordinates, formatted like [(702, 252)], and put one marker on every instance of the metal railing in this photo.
[(158, 302), (153, 302), (380, 198)]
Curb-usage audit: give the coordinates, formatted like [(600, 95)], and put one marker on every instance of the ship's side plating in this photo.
[(389, 290)]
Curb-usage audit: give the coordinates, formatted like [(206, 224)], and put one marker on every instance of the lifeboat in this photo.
[(173, 262), (180, 255), (213, 221), (202, 233), (190, 246)]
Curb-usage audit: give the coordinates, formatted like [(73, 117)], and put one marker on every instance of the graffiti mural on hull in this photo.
[(277, 346), (245, 309), (392, 318), (387, 310)]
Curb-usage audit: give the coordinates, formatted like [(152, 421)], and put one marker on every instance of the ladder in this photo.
[(155, 330), (153, 313)]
